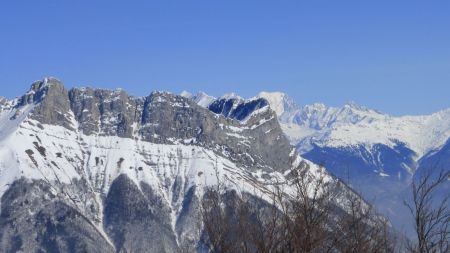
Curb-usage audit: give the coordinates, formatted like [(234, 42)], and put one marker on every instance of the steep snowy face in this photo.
[(117, 168), (282, 104)]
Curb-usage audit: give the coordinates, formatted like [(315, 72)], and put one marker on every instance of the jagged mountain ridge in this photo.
[(100, 171), (350, 126)]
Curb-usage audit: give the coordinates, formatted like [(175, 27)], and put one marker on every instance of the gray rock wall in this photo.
[(165, 118)]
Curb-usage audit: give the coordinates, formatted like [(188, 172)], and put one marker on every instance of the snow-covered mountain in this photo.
[(93, 170), (353, 125), (377, 154)]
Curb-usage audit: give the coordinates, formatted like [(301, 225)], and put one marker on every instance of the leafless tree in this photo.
[(308, 212), (216, 222), (431, 214), (361, 229)]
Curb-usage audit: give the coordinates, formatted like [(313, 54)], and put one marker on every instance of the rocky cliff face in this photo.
[(92, 170), (166, 119)]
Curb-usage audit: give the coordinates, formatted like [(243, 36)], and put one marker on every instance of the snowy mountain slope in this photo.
[(97, 170)]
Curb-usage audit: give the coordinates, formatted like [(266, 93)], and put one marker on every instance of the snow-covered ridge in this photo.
[(353, 124)]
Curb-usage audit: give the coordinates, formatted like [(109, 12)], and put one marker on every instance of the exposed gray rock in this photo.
[(104, 112), (53, 105)]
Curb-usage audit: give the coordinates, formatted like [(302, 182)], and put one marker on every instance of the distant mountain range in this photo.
[(377, 154)]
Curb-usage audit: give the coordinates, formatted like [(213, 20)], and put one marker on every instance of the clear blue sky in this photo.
[(390, 55)]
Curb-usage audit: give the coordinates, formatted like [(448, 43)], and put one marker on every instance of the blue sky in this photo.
[(393, 56)]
